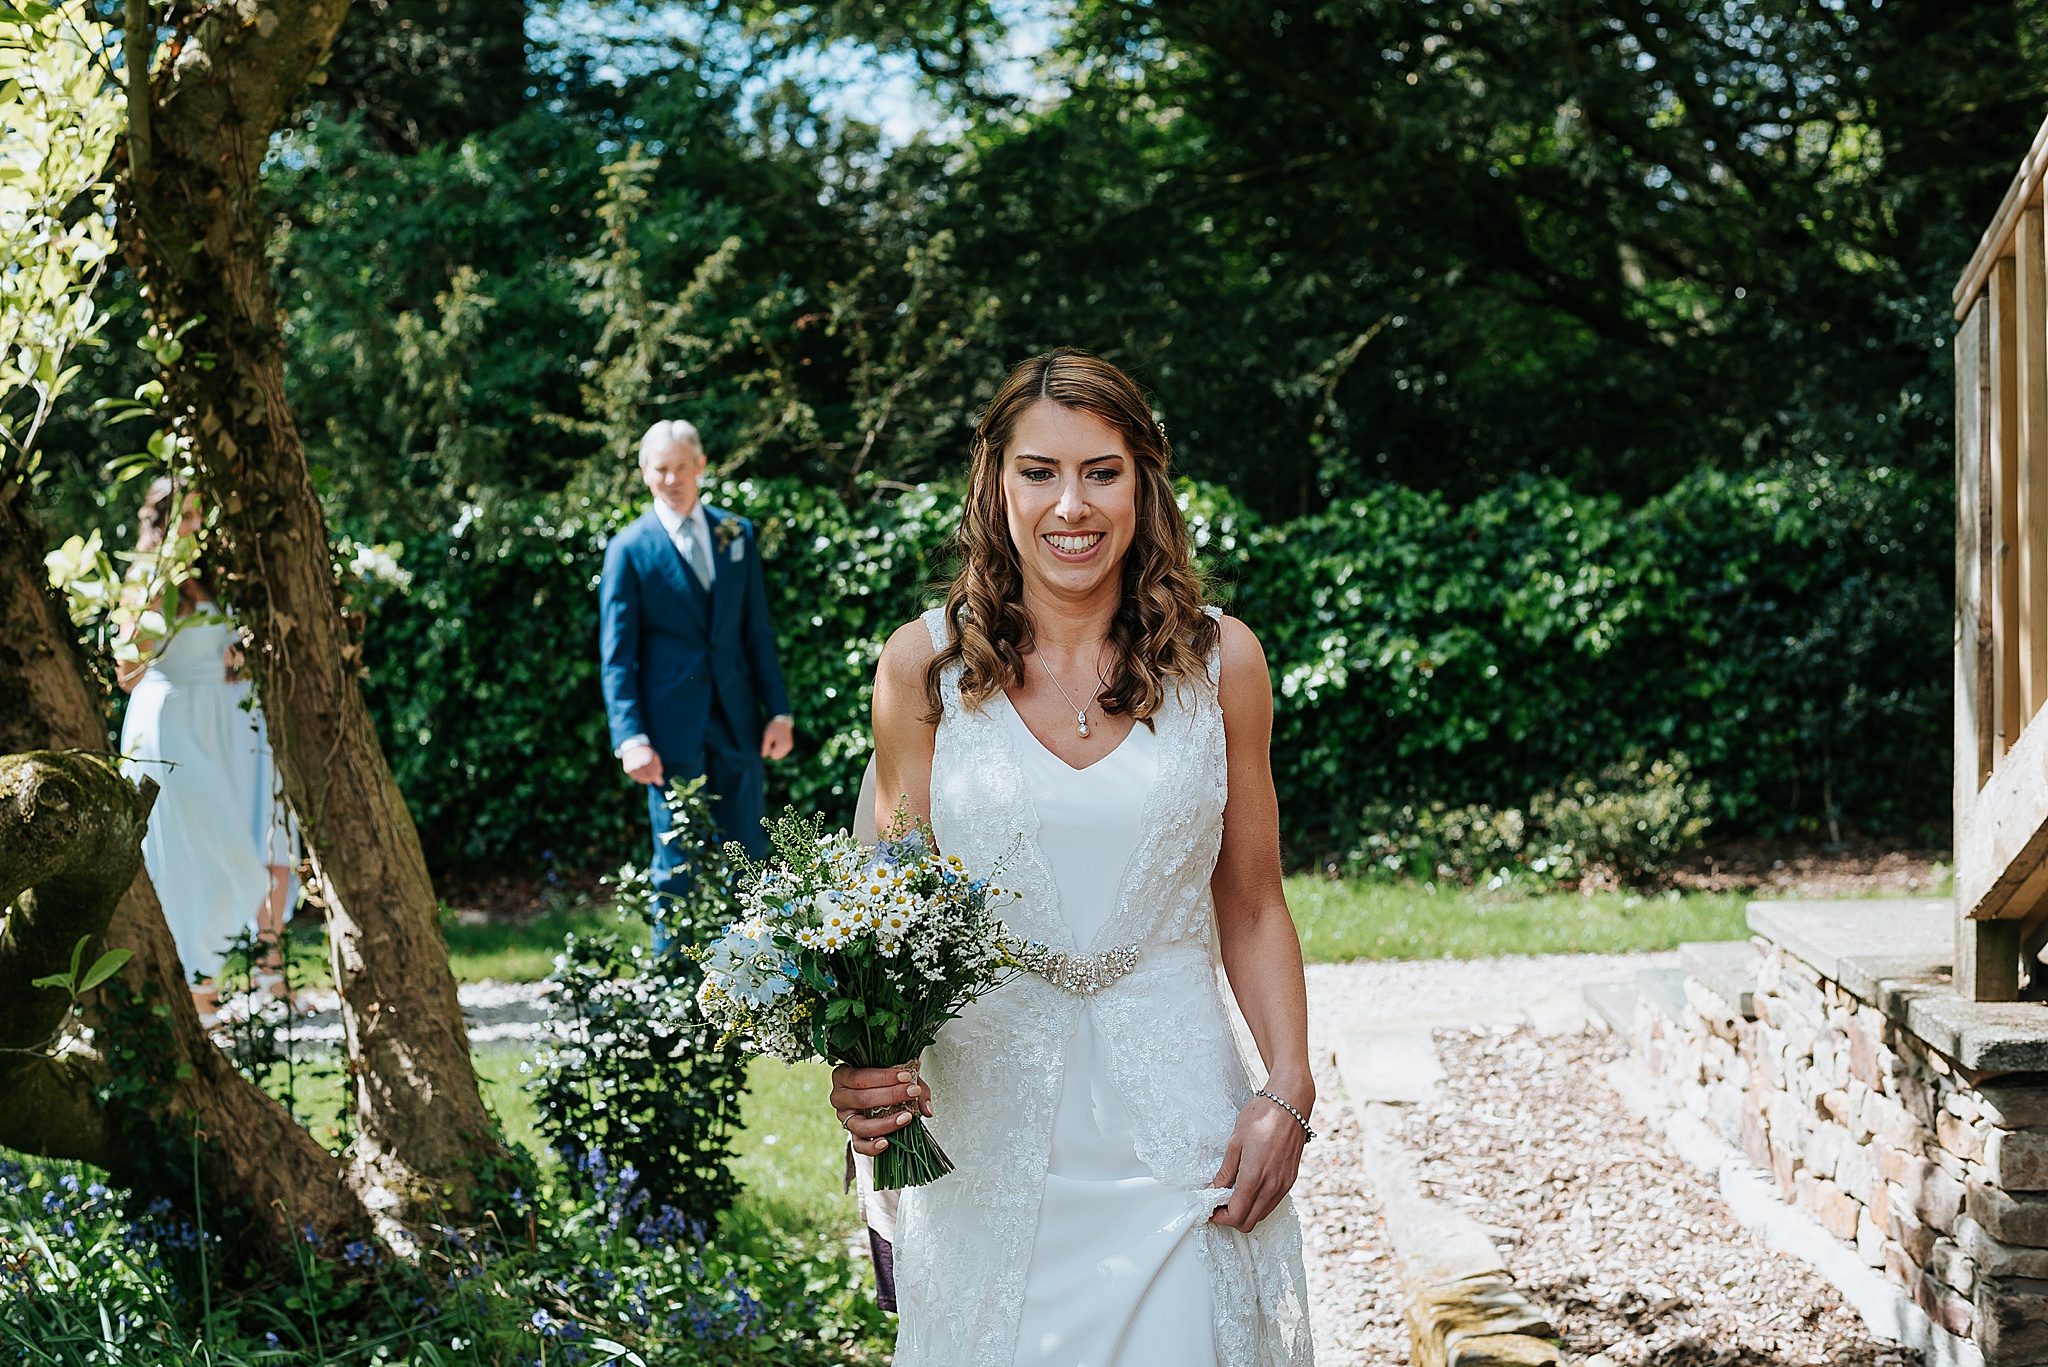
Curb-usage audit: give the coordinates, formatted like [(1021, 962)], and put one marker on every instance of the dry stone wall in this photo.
[(1933, 1173)]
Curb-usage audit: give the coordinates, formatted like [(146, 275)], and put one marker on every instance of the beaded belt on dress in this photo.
[(1082, 974)]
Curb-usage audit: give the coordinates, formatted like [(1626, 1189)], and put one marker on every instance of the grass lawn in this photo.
[(1338, 920), (792, 1153), (1342, 920), (525, 952)]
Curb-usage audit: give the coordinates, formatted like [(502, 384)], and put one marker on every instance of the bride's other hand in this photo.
[(860, 1089), (1259, 1165)]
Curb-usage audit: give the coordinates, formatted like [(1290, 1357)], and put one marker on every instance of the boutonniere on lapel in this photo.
[(727, 532)]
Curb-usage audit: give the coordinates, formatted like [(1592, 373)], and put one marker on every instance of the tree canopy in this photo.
[(1434, 246)]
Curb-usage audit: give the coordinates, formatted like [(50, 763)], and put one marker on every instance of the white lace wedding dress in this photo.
[(1086, 1129)]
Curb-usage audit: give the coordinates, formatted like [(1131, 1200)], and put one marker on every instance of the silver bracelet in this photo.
[(1290, 1110)]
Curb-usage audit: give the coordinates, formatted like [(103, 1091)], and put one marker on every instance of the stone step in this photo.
[(1663, 988), (1614, 1003), (1727, 968)]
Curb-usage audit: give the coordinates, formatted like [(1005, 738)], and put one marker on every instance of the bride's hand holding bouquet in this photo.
[(858, 956)]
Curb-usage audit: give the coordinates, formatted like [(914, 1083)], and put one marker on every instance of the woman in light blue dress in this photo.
[(217, 848)]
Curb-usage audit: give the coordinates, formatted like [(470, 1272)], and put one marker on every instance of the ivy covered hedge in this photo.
[(1777, 628)]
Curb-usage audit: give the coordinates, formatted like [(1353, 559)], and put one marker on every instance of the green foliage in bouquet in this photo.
[(643, 1094), (859, 955)]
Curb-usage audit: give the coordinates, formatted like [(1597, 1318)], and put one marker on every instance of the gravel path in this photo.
[(1629, 1249), (1342, 996), (492, 1010)]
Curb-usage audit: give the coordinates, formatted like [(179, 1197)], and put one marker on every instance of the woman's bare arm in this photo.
[(904, 741), (1261, 949)]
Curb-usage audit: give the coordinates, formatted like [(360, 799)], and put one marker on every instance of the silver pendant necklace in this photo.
[(1080, 713)]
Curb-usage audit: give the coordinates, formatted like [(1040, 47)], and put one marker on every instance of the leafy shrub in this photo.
[(1768, 625), (1462, 844), (1636, 818), (641, 1098)]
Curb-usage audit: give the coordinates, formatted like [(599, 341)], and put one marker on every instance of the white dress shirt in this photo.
[(683, 529)]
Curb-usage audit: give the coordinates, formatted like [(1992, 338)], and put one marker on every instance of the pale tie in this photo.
[(699, 555)]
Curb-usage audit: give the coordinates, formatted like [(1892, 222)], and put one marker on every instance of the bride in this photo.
[(1076, 722)]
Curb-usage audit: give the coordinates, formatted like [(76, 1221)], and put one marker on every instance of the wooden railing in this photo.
[(2001, 779)]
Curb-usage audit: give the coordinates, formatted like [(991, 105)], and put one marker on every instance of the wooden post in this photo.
[(2032, 503), (2002, 374), (1974, 704), (1987, 967), (1987, 953)]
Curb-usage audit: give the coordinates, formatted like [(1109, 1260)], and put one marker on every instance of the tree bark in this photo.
[(255, 1158), (196, 238)]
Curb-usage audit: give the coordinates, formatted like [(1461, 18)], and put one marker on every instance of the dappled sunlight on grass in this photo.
[(524, 951), (792, 1153)]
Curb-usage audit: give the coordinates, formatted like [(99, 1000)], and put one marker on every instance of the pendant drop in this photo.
[(1081, 724)]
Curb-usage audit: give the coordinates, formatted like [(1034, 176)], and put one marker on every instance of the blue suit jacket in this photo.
[(668, 648)]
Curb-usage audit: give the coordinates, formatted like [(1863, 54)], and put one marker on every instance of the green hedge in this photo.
[(483, 671), (1788, 631)]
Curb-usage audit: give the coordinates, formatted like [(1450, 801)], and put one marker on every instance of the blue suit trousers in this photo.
[(736, 781)]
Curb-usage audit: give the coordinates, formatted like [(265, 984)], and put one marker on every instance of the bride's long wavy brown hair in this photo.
[(1159, 636)]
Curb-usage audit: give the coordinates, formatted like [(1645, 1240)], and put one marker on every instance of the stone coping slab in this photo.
[(1896, 955), (1861, 943)]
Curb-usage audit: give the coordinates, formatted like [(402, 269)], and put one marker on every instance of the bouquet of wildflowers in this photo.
[(858, 955)]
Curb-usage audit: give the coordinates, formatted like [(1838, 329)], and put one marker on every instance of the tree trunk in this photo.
[(196, 238), (255, 1159)]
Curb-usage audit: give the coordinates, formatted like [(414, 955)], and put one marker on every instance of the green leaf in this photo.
[(105, 967), (617, 1351), (60, 981)]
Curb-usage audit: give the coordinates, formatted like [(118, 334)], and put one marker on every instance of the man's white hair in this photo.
[(672, 432)]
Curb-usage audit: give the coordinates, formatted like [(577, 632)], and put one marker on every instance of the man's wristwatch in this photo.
[(789, 717)]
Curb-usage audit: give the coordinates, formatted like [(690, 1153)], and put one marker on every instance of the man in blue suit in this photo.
[(691, 683)]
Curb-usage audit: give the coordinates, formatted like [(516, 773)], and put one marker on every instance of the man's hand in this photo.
[(642, 764), (778, 740)]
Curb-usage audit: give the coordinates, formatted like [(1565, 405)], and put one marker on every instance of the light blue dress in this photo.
[(216, 827)]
